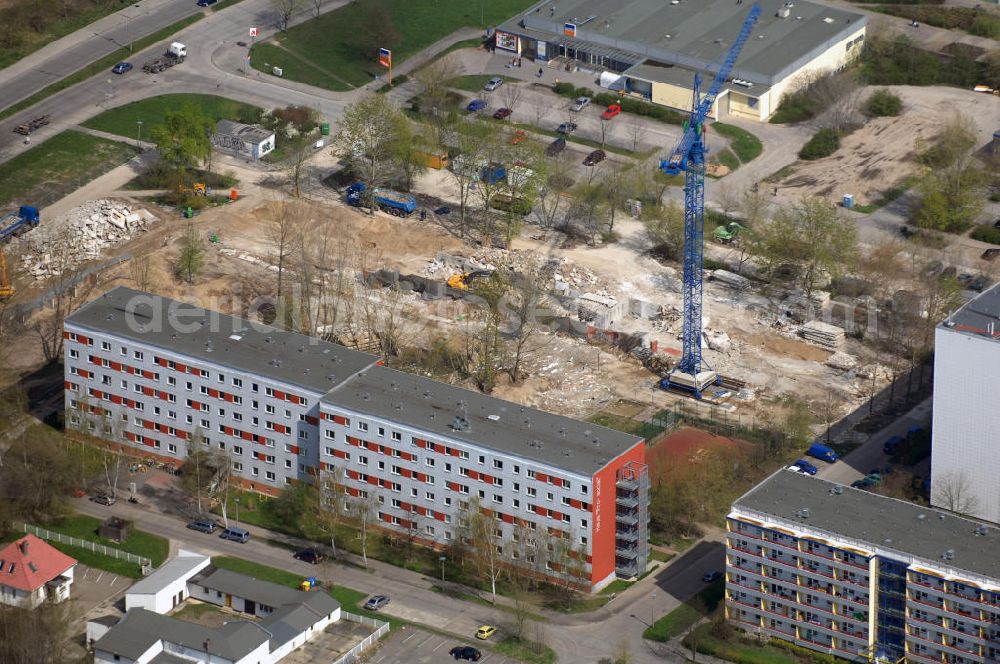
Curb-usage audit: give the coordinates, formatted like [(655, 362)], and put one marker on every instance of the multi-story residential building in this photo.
[(162, 377), (964, 453), (859, 575)]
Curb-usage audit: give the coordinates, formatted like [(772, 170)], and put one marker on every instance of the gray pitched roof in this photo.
[(504, 426), (229, 341), (140, 629), (886, 523), (288, 622), (264, 592), (249, 133), (693, 34)]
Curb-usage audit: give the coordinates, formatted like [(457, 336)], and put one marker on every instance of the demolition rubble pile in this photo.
[(81, 235)]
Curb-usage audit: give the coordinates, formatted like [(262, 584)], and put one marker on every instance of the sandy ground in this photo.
[(881, 153)]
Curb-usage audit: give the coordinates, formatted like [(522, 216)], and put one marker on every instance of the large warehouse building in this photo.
[(965, 454), (158, 376), (656, 46), (862, 576)]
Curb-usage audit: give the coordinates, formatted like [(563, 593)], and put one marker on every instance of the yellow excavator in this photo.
[(463, 280), (6, 290)]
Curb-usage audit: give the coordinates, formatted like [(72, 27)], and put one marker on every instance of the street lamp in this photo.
[(138, 134), (442, 559), (237, 511), (652, 609)]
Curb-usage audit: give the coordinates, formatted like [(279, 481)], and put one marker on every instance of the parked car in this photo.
[(806, 467), (863, 484), (476, 105), (979, 284), (443, 210), (493, 84), (566, 128), (594, 158), (990, 254), (311, 556), (502, 114), (376, 602), (206, 3), (711, 576), (580, 104), (822, 452), (795, 469), (103, 499), (518, 137), (236, 534), (121, 68), (465, 652), (891, 446), (611, 111), (555, 147), (485, 632), (203, 526)]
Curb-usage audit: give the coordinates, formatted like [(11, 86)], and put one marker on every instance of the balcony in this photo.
[(925, 602), (627, 519), (627, 535), (755, 605), (630, 553), (628, 484), (630, 502)]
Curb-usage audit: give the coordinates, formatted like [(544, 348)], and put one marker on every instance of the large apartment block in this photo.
[(160, 377), (862, 576)]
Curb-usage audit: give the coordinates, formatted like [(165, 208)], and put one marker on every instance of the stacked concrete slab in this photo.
[(823, 334)]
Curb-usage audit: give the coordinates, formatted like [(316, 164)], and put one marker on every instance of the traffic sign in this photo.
[(253, 32)]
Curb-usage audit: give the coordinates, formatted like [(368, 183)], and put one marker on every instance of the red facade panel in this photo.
[(603, 521)]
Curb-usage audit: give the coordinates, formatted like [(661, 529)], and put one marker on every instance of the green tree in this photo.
[(184, 139), (952, 190), (368, 139), (192, 255), (665, 228), (809, 235)]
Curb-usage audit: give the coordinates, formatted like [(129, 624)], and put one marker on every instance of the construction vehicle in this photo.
[(6, 290), (18, 222), (28, 127), (198, 189), (728, 233), (463, 280), (175, 55), (691, 374), (386, 200)]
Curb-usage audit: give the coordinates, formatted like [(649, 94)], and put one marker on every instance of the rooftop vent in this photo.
[(459, 423), (566, 453), (268, 340), (837, 490), (394, 386), (921, 517), (940, 517), (887, 540), (981, 530), (24, 547), (804, 513), (827, 19), (427, 394), (949, 554), (32, 567), (365, 396), (784, 12)]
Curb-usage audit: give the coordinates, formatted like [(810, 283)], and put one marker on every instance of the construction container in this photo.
[(324, 128), (434, 160), (848, 201), (233, 195)]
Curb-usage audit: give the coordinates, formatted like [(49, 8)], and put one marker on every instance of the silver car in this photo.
[(580, 104), (493, 84)]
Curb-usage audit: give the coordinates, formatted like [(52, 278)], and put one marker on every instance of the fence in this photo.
[(382, 628), (144, 563)]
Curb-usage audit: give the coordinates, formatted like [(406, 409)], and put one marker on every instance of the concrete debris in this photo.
[(718, 341), (731, 279), (89, 228), (823, 334), (842, 361)]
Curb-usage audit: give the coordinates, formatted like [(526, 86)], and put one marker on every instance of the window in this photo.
[(269, 409), (123, 351), (517, 503), (396, 503), (222, 379), (532, 491), (363, 460), (531, 474), (74, 353), (395, 469), (156, 410), (203, 389), (203, 373), (254, 388), (497, 463), (381, 465), (463, 455), (482, 459), (548, 496), (362, 426), (269, 391), (414, 493), (303, 435), (329, 433), (269, 425), (464, 472), (583, 540), (328, 451), (254, 404), (428, 495), (238, 400), (269, 476), (237, 450), (447, 534), (188, 419), (397, 436), (171, 381), (497, 498), (482, 494), (583, 488), (222, 412), (429, 530), (447, 467), (238, 417), (206, 424), (429, 462), (171, 448), (288, 463), (105, 380), (583, 523), (565, 518), (188, 385), (237, 382), (288, 414), (447, 501), (381, 431), (105, 345), (517, 486)]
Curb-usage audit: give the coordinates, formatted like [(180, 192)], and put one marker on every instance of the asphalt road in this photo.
[(93, 42)]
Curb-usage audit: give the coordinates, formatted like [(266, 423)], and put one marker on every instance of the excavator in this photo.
[(6, 290), (463, 280)]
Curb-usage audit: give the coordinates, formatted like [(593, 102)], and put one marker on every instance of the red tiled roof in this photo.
[(29, 563)]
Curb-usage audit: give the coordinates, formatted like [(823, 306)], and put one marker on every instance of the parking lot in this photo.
[(414, 646)]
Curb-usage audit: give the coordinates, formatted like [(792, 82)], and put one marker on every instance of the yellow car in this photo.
[(485, 632)]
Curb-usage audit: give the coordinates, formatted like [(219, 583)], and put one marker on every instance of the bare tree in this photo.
[(433, 80), (285, 9), (333, 499), (67, 293), (485, 540), (284, 228), (140, 272), (192, 255), (635, 129), (953, 491), (368, 138), (512, 94), (42, 635), (364, 508), (478, 141), (527, 288), (551, 192), (299, 150), (838, 93), (111, 462), (317, 6)]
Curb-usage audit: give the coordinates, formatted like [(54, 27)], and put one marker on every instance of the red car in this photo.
[(611, 111), (502, 113)]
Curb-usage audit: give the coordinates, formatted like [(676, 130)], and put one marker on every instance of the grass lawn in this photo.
[(100, 66), (349, 598), (739, 650), (687, 614), (662, 556), (470, 82), (97, 561), (152, 111), (52, 169), (526, 651), (339, 49), (726, 157), (746, 146), (139, 542)]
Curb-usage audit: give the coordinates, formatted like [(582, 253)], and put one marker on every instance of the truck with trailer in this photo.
[(18, 222), (175, 55), (386, 200)]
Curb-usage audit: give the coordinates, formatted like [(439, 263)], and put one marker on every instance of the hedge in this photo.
[(823, 144)]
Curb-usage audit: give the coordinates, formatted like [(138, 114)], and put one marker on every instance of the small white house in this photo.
[(243, 140), (31, 571), (167, 587)]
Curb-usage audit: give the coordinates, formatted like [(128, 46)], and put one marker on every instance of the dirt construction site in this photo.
[(610, 291)]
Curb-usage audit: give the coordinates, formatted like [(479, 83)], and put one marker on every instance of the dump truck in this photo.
[(728, 233), (463, 280), (18, 222), (175, 55), (387, 200)]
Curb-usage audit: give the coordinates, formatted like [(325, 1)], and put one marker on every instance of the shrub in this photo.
[(823, 144), (795, 107), (583, 92), (882, 103), (987, 233), (564, 89), (986, 25)]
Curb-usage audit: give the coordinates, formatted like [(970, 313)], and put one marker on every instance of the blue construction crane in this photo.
[(689, 157)]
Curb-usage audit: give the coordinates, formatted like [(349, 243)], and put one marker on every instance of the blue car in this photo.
[(121, 67), (891, 446), (806, 467), (476, 105)]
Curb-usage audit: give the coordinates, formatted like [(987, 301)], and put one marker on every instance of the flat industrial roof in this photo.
[(979, 316), (698, 33), (504, 426), (178, 567), (225, 340), (886, 523)]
